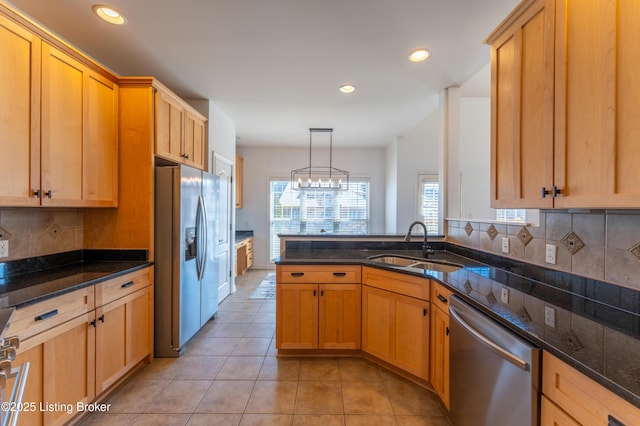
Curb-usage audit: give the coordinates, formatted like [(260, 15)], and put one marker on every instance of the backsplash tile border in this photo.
[(610, 249)]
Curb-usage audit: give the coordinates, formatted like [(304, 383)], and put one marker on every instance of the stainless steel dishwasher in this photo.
[(495, 374)]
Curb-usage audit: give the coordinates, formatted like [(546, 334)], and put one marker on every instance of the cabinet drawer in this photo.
[(42, 316), (318, 274), (397, 282), (583, 399), (440, 296), (116, 288)]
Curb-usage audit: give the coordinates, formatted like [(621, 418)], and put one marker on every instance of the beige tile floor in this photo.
[(230, 375)]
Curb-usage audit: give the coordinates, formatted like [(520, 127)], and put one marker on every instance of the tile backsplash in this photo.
[(604, 245), (37, 231)]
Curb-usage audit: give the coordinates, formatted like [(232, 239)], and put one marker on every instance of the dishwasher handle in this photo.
[(503, 353)]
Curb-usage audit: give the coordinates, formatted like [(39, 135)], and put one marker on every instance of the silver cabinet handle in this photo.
[(518, 362)]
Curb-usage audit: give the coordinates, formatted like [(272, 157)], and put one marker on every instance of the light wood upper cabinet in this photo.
[(194, 140), (597, 99), (62, 127), (522, 110), (180, 130), (565, 96), (169, 130), (58, 131), (19, 114), (100, 147)]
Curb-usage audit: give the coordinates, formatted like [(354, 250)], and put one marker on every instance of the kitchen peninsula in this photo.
[(588, 304)]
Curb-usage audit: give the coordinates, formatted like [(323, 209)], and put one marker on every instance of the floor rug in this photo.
[(266, 289)]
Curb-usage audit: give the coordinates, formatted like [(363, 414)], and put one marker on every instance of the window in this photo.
[(511, 215), (314, 212), (429, 202)]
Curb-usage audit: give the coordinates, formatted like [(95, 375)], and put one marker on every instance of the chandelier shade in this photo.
[(320, 178)]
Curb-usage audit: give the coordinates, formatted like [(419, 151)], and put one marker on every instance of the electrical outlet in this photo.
[(504, 295), (550, 254), (4, 248), (505, 245), (550, 316)]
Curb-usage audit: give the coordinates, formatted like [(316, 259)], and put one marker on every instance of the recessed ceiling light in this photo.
[(109, 14), (419, 55), (347, 88)]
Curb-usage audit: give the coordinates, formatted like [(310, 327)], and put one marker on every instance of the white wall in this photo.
[(391, 187), (474, 161), (261, 164), (417, 152)]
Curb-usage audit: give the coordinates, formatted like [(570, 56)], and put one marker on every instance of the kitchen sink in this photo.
[(416, 262)]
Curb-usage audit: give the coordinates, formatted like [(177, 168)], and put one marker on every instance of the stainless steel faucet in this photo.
[(426, 250)]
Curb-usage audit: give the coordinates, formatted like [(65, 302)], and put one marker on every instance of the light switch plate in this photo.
[(4, 248), (550, 316), (504, 295), (550, 254), (505, 245)]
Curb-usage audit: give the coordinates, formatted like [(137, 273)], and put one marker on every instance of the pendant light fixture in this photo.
[(320, 178)]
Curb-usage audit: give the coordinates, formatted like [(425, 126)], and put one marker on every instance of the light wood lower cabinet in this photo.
[(61, 373), (318, 316), (439, 344), (571, 394), (313, 315), (122, 336), (73, 360), (395, 328)]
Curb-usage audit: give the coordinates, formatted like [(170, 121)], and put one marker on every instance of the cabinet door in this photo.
[(296, 316), (378, 312), (521, 111), (552, 415), (597, 102), (169, 127), (62, 128), (194, 141), (122, 336), (69, 367), (339, 316), (19, 115), (100, 153), (439, 349), (34, 386), (411, 329)]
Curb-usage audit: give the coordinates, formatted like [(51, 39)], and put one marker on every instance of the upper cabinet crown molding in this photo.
[(565, 96), (41, 32)]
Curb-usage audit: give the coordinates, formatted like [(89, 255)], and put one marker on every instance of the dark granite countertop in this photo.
[(28, 281), (597, 324), (243, 235)]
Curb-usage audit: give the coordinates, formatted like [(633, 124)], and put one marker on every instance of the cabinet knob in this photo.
[(36, 193), (48, 194)]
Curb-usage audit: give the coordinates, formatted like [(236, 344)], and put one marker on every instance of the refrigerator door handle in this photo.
[(199, 258), (205, 236)]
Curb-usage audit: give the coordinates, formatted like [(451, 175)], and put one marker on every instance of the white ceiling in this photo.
[(274, 66)]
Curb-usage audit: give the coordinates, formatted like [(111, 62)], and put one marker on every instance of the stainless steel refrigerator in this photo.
[(186, 273)]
